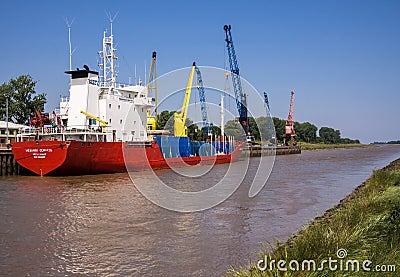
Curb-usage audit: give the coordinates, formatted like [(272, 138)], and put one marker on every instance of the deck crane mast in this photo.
[(270, 122), (202, 96), (152, 86), (237, 85), (289, 128), (180, 130)]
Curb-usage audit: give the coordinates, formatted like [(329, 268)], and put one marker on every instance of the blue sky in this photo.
[(340, 57)]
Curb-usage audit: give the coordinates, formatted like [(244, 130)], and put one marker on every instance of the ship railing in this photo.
[(32, 131)]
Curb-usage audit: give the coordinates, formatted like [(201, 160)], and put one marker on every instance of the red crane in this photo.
[(39, 119), (289, 128)]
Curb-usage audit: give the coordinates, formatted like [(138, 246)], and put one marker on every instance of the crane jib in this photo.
[(200, 88), (237, 85)]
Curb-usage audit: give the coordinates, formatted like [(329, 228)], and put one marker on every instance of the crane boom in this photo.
[(237, 85), (270, 122), (152, 81), (202, 96), (152, 86), (103, 122), (180, 130), (267, 103)]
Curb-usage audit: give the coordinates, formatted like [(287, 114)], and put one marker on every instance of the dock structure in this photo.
[(8, 165), (257, 151)]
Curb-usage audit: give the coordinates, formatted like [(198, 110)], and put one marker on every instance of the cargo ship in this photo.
[(102, 128)]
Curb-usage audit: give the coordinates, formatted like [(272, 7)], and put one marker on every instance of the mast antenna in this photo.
[(111, 19), (108, 56), (71, 51)]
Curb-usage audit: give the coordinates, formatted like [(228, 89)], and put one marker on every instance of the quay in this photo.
[(257, 151), (8, 165)]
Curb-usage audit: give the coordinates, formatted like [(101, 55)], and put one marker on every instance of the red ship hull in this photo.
[(64, 158)]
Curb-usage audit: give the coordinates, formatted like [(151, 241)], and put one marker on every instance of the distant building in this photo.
[(12, 132)]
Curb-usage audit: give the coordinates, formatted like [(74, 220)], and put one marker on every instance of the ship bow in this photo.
[(40, 157)]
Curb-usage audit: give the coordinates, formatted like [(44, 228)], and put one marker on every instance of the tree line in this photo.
[(388, 142), (307, 132), (22, 99), (261, 128)]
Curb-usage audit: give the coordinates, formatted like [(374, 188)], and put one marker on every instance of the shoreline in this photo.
[(317, 147), (365, 223)]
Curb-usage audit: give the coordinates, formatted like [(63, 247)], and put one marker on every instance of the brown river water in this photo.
[(102, 226)]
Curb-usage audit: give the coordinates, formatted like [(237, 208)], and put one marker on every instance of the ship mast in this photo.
[(108, 57), (69, 24)]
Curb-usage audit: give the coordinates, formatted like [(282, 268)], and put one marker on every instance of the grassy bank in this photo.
[(318, 146), (366, 224)]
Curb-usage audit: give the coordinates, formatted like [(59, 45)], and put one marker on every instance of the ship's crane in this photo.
[(202, 96), (40, 119), (151, 121), (270, 122), (237, 85), (180, 130), (152, 86), (102, 122), (289, 128)]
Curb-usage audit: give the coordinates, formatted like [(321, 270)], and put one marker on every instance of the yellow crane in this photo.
[(152, 86), (103, 123), (151, 121), (180, 130)]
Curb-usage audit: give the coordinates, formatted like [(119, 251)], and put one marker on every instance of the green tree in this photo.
[(192, 129), (309, 132), (329, 135), (254, 129), (279, 128), (233, 128), (22, 99), (216, 130), (349, 141), (305, 131), (165, 121), (5, 91), (266, 128)]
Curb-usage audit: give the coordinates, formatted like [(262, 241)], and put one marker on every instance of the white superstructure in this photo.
[(122, 107)]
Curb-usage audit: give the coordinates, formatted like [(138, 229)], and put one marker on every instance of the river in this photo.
[(101, 225)]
